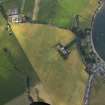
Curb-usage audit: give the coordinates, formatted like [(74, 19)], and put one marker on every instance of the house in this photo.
[(15, 17), (62, 50)]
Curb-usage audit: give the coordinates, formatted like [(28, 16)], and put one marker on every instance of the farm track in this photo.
[(88, 89), (23, 5), (36, 9)]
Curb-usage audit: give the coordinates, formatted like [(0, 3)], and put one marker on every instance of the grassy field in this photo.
[(14, 66), (98, 92), (60, 13), (27, 8), (64, 80)]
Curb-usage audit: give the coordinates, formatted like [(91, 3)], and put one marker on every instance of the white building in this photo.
[(15, 17)]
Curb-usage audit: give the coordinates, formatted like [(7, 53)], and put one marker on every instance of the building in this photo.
[(15, 17), (62, 50)]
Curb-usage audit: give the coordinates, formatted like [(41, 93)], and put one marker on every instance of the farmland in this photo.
[(14, 66), (59, 13), (31, 50), (60, 77)]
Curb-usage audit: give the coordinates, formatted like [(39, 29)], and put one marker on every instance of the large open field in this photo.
[(56, 12), (31, 50), (64, 80), (62, 12), (14, 66)]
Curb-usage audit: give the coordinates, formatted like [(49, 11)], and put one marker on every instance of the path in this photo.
[(98, 70), (23, 5), (88, 89), (36, 10)]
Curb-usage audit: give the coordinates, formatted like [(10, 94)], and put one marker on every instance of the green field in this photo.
[(31, 51), (60, 13), (14, 66), (63, 79)]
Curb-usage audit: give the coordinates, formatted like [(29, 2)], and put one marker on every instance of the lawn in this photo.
[(64, 80), (14, 66), (98, 92), (61, 12)]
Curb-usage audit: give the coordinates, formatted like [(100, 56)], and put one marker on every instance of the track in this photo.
[(88, 89), (98, 69), (23, 5), (36, 10)]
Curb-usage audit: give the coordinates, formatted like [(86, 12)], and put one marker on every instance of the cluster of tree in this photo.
[(83, 44), (3, 12)]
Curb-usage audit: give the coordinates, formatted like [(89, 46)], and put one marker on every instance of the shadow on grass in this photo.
[(17, 67), (71, 45)]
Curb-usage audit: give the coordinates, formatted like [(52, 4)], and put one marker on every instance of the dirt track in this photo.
[(36, 9)]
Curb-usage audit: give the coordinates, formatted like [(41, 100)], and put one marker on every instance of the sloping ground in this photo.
[(57, 12), (98, 92), (64, 80), (61, 12), (14, 66), (23, 99)]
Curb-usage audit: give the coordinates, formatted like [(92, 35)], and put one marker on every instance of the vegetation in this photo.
[(14, 66), (98, 93), (57, 12), (62, 12), (63, 79), (27, 9)]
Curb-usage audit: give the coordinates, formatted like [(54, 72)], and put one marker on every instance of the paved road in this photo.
[(98, 69), (88, 89)]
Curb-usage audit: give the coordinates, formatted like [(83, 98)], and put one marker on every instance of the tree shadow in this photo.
[(16, 66), (71, 44)]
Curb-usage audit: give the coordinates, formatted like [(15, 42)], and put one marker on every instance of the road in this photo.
[(88, 89), (98, 69)]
